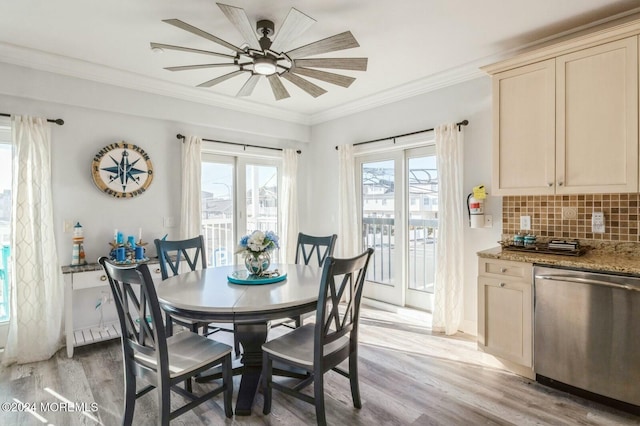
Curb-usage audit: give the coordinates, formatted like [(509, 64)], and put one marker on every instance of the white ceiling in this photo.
[(412, 45)]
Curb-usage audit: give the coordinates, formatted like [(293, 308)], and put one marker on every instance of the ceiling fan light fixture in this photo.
[(264, 65)]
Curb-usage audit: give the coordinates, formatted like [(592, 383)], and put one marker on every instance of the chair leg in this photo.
[(187, 385), (267, 371), (164, 402), (236, 342), (353, 379), (169, 325), (227, 381), (318, 397), (129, 396)]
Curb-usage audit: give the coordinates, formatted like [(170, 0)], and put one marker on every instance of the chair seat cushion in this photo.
[(297, 346), (187, 352)]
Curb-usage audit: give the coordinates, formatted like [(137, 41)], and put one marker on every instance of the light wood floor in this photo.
[(408, 376)]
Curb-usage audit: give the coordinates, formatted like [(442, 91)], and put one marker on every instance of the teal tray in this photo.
[(245, 278)]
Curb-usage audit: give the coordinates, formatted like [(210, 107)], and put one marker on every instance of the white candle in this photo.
[(139, 234), (115, 235)]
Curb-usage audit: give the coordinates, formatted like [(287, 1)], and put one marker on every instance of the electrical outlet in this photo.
[(597, 223), (525, 223), (67, 226), (488, 221)]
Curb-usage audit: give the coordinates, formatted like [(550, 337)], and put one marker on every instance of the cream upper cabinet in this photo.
[(597, 119), (567, 123), (524, 130)]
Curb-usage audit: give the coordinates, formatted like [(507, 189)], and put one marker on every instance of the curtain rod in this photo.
[(462, 123), (58, 121), (245, 145)]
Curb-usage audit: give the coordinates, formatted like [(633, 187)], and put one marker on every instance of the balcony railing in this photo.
[(220, 242), (379, 233)]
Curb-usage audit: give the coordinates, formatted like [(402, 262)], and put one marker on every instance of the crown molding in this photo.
[(405, 91), (57, 64)]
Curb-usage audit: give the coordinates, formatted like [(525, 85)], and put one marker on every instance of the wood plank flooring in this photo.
[(408, 376)]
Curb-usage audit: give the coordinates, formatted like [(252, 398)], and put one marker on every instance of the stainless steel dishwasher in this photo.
[(587, 331)]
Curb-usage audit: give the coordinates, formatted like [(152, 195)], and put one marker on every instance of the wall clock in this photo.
[(122, 170)]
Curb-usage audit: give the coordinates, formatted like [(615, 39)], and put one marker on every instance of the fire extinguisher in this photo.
[(475, 207)]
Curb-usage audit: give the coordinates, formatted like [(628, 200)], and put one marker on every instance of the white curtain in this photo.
[(37, 286), (447, 310), (348, 216), (191, 198), (289, 231)]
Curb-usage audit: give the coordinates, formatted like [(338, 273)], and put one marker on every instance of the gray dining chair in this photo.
[(148, 353), (309, 250), (320, 347), (172, 255)]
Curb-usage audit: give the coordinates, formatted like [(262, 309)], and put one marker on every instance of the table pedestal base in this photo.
[(251, 337)]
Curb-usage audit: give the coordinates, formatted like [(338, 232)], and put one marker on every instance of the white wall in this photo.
[(98, 114), (470, 100)]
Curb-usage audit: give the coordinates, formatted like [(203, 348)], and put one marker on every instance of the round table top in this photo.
[(207, 293)]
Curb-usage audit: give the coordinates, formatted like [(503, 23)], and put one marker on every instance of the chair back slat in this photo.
[(342, 281), (172, 253), (308, 245), (138, 309)]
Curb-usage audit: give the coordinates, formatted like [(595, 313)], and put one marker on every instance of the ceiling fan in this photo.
[(271, 58)]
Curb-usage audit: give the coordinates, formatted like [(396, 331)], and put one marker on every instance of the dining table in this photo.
[(209, 295)]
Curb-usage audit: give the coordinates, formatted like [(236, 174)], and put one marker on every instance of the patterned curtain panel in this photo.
[(349, 244), (289, 209), (37, 288), (191, 198), (447, 304)]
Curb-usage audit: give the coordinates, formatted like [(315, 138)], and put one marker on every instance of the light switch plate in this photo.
[(525, 223), (597, 223), (488, 221)]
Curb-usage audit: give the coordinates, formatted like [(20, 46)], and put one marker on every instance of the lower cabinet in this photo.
[(505, 313), (90, 315)]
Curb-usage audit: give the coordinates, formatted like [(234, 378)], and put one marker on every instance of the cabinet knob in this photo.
[(157, 271), (503, 270), (550, 184), (502, 284), (560, 183), (103, 277)]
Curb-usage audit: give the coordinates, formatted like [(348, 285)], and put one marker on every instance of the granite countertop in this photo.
[(88, 267), (622, 258)]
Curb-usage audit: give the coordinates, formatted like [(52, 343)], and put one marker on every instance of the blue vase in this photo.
[(257, 263)]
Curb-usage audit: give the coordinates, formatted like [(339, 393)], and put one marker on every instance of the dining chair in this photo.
[(306, 247), (148, 353), (320, 347), (173, 255)]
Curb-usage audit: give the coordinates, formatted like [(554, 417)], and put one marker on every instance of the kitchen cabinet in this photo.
[(567, 124), (597, 119), (505, 313), (524, 131), (84, 286)]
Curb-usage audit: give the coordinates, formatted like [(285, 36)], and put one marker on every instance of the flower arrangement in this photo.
[(258, 242)]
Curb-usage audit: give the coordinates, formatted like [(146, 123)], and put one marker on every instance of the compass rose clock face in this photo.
[(122, 170)]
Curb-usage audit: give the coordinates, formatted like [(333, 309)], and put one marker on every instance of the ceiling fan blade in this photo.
[(249, 85), (293, 26), (279, 91), (355, 64), (238, 18), (329, 77), (197, 67), (306, 85), (189, 49), (220, 79), (330, 44), (197, 31)]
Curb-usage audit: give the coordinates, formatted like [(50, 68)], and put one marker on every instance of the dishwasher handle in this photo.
[(573, 279)]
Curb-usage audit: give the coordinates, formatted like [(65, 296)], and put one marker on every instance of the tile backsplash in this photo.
[(621, 212)]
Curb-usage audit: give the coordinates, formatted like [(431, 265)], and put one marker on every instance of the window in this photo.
[(5, 218), (239, 195)]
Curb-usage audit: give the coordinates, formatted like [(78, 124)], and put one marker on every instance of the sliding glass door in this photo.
[(239, 195), (399, 219)]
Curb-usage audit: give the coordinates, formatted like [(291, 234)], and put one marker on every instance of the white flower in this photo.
[(256, 241)]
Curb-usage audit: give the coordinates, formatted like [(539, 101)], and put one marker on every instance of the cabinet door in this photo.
[(505, 319), (524, 130), (597, 111)]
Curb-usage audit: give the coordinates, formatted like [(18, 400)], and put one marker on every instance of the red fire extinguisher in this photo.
[(475, 207)]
